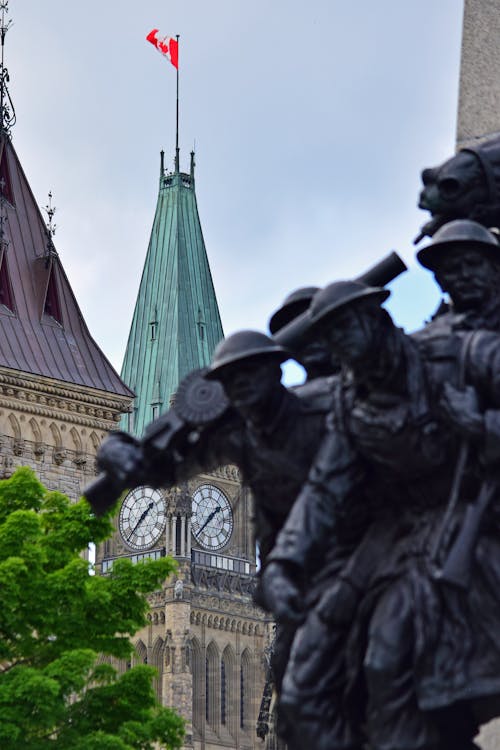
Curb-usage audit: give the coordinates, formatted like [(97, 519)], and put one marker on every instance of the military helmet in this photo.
[(458, 232), (243, 346), (295, 303), (342, 293)]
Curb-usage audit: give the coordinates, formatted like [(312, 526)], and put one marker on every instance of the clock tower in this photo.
[(205, 636)]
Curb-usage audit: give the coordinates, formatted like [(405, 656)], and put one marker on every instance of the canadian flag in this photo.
[(168, 46)]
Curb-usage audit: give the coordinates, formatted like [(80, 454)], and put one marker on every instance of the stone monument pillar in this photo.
[(479, 91)]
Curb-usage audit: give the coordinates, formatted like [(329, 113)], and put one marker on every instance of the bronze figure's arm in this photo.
[(127, 462)]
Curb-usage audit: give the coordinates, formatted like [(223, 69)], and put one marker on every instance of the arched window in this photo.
[(157, 663), (141, 653), (223, 692), (198, 692), (245, 689), (212, 687), (242, 697), (228, 701), (207, 690)]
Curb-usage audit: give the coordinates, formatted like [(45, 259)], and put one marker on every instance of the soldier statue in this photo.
[(409, 618), (270, 432), (465, 260), (377, 511), (311, 352)]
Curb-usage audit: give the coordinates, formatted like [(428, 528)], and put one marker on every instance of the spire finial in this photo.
[(7, 111), (51, 229)]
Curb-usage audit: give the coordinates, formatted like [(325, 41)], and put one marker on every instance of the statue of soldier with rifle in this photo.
[(376, 612), (271, 433), (385, 570)]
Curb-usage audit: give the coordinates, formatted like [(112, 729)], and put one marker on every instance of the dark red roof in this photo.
[(42, 330)]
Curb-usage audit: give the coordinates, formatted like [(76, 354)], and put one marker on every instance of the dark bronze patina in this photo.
[(375, 485), (467, 186)]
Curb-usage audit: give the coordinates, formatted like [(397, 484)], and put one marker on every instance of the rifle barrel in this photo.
[(386, 270)]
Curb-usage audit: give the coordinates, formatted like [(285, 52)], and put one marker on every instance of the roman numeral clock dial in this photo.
[(212, 519), (142, 517)]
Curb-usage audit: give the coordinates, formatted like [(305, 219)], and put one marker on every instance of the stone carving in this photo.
[(6, 466), (179, 500), (169, 650), (178, 589), (223, 581), (59, 455), (18, 447), (38, 450)]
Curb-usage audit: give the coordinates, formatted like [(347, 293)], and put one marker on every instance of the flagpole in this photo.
[(177, 114)]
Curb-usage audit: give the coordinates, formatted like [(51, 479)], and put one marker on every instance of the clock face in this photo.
[(142, 517), (212, 519)]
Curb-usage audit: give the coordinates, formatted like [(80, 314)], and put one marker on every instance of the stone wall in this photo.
[(190, 633), (53, 427), (479, 96)]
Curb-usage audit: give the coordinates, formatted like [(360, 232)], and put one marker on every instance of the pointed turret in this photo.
[(176, 323)]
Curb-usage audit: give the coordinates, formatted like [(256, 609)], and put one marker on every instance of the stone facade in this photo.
[(54, 427), (203, 630), (479, 97), (200, 641), (205, 636)]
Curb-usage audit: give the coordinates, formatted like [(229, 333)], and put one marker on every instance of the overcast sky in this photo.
[(312, 122)]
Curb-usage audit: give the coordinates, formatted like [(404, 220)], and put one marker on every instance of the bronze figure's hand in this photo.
[(120, 457), (338, 604), (281, 595), (460, 408)]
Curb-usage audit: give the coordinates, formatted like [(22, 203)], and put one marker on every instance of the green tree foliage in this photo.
[(56, 621)]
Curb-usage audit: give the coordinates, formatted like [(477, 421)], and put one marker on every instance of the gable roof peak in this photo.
[(42, 331)]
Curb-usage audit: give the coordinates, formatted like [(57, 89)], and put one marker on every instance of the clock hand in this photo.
[(212, 514), (141, 519)]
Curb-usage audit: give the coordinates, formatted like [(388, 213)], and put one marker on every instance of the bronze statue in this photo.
[(467, 186), (375, 484), (271, 433), (410, 662), (465, 260), (311, 352), (333, 511)]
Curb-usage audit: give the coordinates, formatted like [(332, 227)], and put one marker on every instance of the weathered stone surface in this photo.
[(479, 97), (53, 427)]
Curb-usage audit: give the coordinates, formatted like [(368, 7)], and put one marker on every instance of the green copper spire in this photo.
[(176, 323)]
